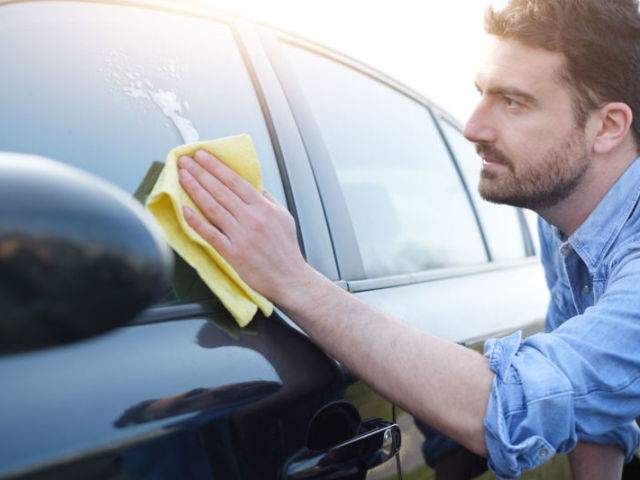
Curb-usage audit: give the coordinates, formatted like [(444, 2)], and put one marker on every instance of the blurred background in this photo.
[(432, 46)]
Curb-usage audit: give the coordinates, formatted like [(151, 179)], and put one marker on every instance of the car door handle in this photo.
[(379, 442)]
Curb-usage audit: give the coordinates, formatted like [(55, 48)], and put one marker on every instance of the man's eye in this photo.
[(511, 103)]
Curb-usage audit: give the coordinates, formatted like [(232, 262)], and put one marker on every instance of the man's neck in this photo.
[(569, 214)]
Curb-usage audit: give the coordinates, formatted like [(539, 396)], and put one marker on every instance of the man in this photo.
[(558, 129)]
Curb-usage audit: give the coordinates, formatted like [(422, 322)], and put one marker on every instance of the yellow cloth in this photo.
[(165, 204)]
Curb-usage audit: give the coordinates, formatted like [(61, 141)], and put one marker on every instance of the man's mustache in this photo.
[(486, 150)]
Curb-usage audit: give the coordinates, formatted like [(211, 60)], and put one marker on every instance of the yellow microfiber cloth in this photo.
[(165, 204)]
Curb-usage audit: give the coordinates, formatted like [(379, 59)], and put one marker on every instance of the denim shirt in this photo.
[(580, 380)]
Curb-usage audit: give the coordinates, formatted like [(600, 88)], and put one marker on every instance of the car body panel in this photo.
[(72, 401)]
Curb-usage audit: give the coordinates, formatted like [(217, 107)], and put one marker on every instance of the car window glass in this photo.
[(406, 202), (500, 222), (111, 89)]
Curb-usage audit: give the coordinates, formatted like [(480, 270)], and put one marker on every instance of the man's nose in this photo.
[(479, 127)]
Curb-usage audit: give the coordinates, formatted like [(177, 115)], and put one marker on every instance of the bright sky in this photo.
[(431, 45)]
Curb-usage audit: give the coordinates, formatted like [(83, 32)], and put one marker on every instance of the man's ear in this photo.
[(614, 122)]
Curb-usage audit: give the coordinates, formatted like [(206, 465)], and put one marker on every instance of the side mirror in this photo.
[(78, 256)]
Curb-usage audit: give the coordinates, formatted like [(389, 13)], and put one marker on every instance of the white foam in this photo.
[(170, 105), (134, 85)]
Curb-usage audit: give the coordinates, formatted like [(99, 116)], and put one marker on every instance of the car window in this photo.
[(500, 222), (111, 89), (406, 201)]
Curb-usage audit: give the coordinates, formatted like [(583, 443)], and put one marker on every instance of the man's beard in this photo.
[(542, 183)]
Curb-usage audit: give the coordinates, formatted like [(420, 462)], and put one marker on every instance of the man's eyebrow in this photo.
[(511, 92)]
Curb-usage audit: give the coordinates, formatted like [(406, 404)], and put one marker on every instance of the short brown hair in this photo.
[(600, 40)]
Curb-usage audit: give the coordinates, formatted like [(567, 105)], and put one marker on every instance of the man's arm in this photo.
[(591, 461), (442, 383)]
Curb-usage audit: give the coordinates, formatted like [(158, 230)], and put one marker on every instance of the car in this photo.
[(151, 377)]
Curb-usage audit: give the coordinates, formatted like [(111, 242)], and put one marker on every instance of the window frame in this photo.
[(343, 239)]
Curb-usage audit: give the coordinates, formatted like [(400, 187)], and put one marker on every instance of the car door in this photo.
[(411, 236), (181, 392)]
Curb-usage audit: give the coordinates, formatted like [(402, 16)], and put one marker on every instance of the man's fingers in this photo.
[(207, 231), (269, 197), (215, 212), (238, 185), (218, 190)]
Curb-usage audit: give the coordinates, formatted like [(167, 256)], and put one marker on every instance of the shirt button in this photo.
[(566, 250), (543, 452), (586, 289)]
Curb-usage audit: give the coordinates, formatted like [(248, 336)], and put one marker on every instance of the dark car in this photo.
[(379, 180)]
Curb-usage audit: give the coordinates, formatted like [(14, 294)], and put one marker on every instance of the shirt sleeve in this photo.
[(579, 382), (524, 428)]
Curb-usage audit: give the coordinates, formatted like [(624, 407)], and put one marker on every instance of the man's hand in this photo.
[(250, 229), (591, 461)]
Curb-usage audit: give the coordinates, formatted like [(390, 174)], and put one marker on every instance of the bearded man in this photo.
[(558, 130)]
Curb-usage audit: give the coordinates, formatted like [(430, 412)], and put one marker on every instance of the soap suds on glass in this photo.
[(134, 85)]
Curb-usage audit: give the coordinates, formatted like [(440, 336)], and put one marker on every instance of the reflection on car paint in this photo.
[(196, 399)]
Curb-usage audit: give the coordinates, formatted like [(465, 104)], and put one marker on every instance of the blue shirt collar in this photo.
[(599, 231)]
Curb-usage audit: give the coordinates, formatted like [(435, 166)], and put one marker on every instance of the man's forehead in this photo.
[(512, 64)]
